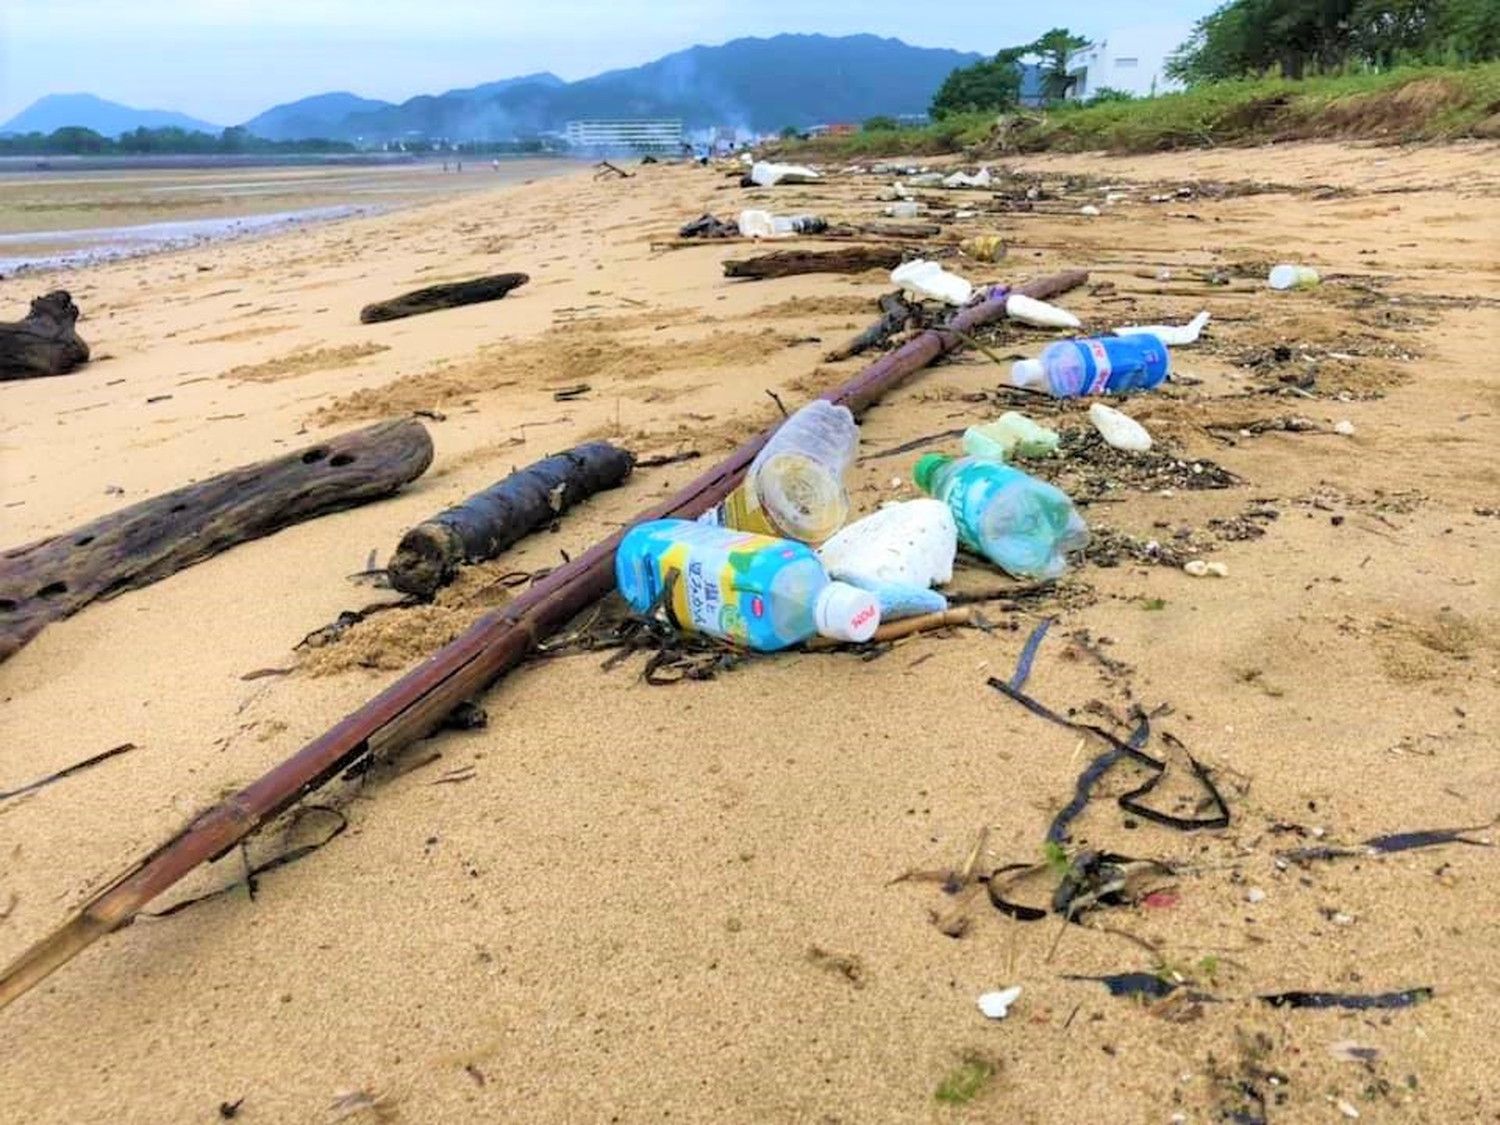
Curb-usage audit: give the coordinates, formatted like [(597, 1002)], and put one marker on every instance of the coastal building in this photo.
[(626, 134), (1132, 59)]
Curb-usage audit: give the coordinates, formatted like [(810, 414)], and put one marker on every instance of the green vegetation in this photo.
[(963, 1084), (1400, 105), (880, 124), (995, 84), (1254, 37), (75, 141), (1055, 48)]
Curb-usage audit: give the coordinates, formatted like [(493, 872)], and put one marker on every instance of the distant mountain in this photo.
[(57, 111), (490, 89), (319, 116), (757, 84)]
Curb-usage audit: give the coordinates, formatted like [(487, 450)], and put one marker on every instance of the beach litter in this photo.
[(708, 226), (983, 247), (980, 179), (763, 174), (997, 1005), (1174, 336), (1039, 314), (1106, 365), (927, 280), (1119, 431), (1010, 436), (763, 224), (1286, 277), (1199, 568)]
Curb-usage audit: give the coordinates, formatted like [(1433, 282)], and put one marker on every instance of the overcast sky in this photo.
[(226, 60)]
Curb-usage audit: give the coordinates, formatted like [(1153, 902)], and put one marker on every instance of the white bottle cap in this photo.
[(1031, 373), (846, 613)]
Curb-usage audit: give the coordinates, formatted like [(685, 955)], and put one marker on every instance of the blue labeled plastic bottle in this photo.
[(755, 590), (1023, 525), (1106, 365)]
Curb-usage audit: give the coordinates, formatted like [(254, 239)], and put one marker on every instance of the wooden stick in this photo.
[(906, 627), (490, 521), (144, 543), (450, 296), (415, 705), (45, 343), (788, 263)]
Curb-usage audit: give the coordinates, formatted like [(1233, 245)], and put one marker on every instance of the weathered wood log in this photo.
[(54, 578), (45, 343), (788, 263), (450, 296), (430, 554), (418, 703), (902, 230), (897, 313)]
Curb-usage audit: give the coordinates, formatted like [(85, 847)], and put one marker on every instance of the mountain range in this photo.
[(755, 84)]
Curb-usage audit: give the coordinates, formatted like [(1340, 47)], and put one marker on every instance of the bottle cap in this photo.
[(926, 468), (1029, 373), (846, 613)]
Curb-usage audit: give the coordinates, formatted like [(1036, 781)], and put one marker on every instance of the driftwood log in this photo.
[(896, 314), (902, 230), (490, 521), (45, 343), (418, 703), (450, 296), (788, 263), (54, 578)]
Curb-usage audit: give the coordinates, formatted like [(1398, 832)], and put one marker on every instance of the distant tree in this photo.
[(75, 138), (1056, 48), (880, 123), (788, 132), (988, 86)]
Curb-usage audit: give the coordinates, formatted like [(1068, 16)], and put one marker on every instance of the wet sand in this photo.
[(623, 902)]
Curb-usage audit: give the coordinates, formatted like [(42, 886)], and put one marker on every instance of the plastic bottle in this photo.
[(795, 486), (1293, 277), (763, 224), (757, 591), (1107, 365), (1022, 525)]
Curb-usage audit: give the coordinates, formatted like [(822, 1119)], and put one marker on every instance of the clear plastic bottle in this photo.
[(1096, 366), (795, 486), (763, 224), (1024, 526), (763, 593)]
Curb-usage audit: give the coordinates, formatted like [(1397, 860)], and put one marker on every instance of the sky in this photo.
[(226, 60)]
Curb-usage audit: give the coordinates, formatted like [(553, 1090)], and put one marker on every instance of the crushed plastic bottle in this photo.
[(1173, 335), (1293, 277), (763, 224), (1009, 436), (983, 247), (980, 179), (929, 280), (755, 590), (1096, 366), (768, 175), (1024, 526), (795, 486)]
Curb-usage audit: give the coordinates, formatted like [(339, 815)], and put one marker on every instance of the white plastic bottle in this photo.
[(932, 281)]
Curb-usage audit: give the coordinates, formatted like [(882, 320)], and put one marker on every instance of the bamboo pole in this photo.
[(416, 704)]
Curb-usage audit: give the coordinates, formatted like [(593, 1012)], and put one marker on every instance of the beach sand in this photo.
[(626, 902)]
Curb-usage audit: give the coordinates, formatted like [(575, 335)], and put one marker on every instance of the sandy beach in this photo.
[(625, 902)]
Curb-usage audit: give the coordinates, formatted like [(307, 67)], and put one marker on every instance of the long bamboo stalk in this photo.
[(416, 704)]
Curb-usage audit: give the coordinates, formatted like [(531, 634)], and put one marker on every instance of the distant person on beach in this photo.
[(495, 164)]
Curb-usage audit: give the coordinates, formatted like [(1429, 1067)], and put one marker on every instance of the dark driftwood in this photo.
[(45, 343), (436, 297), (490, 521), (788, 263), (897, 313), (54, 578), (903, 230)]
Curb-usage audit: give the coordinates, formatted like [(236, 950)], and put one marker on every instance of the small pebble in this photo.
[(897, 482), (1255, 894), (1341, 919), (995, 1005), (1344, 427)]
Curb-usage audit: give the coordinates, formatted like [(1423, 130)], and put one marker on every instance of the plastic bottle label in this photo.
[(705, 596), (1098, 366), (741, 510)]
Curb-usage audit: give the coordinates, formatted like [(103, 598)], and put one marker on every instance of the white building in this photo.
[(626, 134), (1131, 59)]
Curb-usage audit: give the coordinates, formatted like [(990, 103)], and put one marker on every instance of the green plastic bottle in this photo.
[(1024, 526)]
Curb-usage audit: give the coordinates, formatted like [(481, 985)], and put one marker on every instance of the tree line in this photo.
[(1246, 38), (74, 140)]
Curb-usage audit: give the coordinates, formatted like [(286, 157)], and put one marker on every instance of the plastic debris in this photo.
[(1009, 436), (1131, 984), (1344, 427), (907, 209), (925, 179), (769, 175), (1108, 365), (1028, 310), (1119, 431), (1090, 210), (1350, 1001), (981, 179), (1255, 895), (1346, 1109), (910, 543), (996, 1005), (986, 248), (929, 280), (763, 224), (1293, 277), (1198, 568), (898, 601), (1174, 336)]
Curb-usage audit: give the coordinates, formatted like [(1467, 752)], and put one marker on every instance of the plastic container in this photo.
[(907, 209), (795, 486), (768, 175), (1024, 526), (931, 281), (1096, 366), (1119, 431), (1293, 277), (755, 590), (1010, 435), (983, 247), (763, 224), (1039, 314), (1173, 335)]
